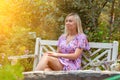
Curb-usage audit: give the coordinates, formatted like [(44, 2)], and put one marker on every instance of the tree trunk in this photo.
[(111, 20)]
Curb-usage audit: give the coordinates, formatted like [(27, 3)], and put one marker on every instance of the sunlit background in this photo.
[(21, 21)]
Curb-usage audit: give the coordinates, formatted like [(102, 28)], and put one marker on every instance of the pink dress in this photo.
[(79, 41)]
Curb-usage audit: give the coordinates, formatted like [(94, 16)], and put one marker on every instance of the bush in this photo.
[(11, 72)]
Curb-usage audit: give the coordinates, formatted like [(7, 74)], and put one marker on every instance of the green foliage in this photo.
[(116, 77), (39, 15), (27, 64), (89, 11), (17, 19), (15, 41), (49, 15), (9, 72)]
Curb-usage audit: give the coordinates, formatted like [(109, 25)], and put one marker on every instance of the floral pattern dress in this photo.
[(79, 41)]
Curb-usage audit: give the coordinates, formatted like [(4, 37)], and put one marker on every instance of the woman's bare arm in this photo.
[(72, 56)]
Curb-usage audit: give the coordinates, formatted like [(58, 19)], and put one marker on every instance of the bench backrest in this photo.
[(99, 54)]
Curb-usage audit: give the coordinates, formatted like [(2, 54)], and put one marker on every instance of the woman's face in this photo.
[(70, 23)]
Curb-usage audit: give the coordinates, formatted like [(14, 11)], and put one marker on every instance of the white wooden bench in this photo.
[(100, 56)]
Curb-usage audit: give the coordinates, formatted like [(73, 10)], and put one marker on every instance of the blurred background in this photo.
[(21, 21)]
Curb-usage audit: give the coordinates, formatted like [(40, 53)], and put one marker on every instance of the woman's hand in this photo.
[(52, 54)]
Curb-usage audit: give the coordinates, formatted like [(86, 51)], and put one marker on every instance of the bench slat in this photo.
[(100, 45)]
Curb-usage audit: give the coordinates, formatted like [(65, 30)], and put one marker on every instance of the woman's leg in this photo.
[(48, 69), (49, 62), (42, 64), (54, 63)]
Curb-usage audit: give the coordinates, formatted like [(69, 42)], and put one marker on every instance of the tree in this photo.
[(91, 12)]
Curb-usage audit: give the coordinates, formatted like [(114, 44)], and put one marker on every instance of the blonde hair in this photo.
[(78, 22)]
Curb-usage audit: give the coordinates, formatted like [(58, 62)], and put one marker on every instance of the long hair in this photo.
[(78, 23)]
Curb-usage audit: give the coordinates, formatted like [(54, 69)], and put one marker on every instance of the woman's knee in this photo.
[(50, 59), (46, 57)]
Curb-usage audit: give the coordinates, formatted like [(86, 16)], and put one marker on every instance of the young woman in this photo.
[(70, 48)]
